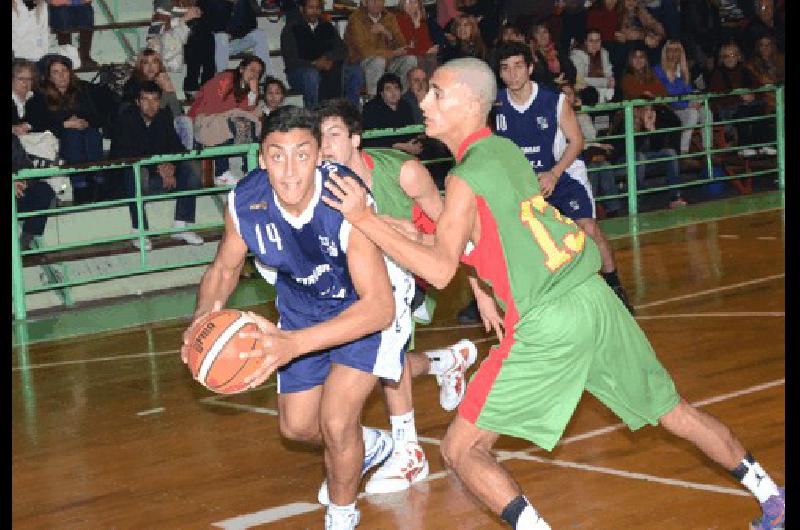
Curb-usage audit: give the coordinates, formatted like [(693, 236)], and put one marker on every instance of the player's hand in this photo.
[(352, 198), (547, 181), (274, 347), (190, 330), (490, 315)]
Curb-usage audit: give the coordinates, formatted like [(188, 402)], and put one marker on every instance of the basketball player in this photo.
[(565, 329), (399, 183), (339, 327), (543, 124)]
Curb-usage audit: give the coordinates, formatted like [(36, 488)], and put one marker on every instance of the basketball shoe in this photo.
[(774, 513), (380, 449), (406, 466), (452, 383), (342, 520)]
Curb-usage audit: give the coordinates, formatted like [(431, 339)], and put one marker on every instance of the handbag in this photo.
[(42, 148)]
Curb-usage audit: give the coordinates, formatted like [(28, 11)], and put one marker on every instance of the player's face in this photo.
[(290, 159), (442, 107), (337, 144), (514, 72)]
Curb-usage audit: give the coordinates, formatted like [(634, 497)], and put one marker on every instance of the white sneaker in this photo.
[(342, 520), (768, 150), (147, 244), (187, 236), (406, 466), (748, 152), (452, 384), (373, 456)]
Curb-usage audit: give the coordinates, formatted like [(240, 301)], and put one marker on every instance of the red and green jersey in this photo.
[(528, 251)]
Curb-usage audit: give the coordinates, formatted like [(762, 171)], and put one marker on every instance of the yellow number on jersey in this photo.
[(572, 242)]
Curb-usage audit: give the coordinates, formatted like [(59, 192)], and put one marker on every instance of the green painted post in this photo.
[(137, 182), (252, 158), (17, 277), (780, 116), (630, 159), (707, 140)]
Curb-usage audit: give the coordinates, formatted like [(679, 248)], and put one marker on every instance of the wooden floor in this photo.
[(110, 431)]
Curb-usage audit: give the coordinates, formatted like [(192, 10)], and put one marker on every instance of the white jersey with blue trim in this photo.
[(305, 256), (535, 127)]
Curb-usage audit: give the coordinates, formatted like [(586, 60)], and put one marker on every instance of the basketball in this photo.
[(214, 349)]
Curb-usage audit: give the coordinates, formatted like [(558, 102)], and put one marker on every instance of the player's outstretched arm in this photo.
[(373, 311), (437, 264), (220, 278)]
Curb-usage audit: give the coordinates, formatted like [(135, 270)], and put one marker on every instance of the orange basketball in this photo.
[(214, 349)]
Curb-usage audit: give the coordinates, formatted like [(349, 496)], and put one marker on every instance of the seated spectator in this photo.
[(485, 14), (552, 68), (389, 110), (169, 31), (417, 83), (593, 67), (235, 89), (729, 75), (274, 95), (673, 72), (765, 22), (414, 26), (73, 118), (638, 28), (242, 33), (374, 40), (28, 108), (640, 81), (147, 129), (150, 67), (66, 16), (666, 12), (508, 33), (767, 66), (315, 56), (30, 31), (31, 195), (604, 15), (467, 42)]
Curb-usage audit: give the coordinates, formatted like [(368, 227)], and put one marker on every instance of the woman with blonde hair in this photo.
[(467, 41), (673, 72), (413, 23), (150, 67)]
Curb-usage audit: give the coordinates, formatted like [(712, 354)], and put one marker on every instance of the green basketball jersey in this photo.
[(390, 198), (528, 251)]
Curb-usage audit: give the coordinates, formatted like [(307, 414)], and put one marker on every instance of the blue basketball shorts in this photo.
[(573, 198)]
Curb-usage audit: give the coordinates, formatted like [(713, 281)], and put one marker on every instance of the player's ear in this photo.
[(355, 140), (530, 70), (261, 163)]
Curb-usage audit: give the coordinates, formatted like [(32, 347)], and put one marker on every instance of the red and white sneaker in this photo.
[(406, 466), (453, 384)]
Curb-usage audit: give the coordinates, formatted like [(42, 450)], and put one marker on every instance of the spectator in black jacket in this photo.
[(73, 117), (389, 110), (314, 56), (28, 109), (146, 130), (240, 33)]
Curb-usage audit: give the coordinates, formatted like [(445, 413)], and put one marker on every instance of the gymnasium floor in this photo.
[(110, 431)]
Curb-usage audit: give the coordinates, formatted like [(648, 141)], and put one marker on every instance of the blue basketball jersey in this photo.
[(305, 256)]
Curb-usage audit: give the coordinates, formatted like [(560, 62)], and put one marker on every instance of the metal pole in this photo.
[(17, 276), (137, 182), (707, 141), (630, 159), (780, 116), (252, 158)]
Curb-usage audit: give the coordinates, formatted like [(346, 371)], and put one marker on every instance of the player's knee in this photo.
[(679, 419), (589, 226), (339, 431), (299, 431), (454, 449)]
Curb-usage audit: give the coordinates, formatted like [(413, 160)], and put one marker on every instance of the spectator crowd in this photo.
[(594, 51)]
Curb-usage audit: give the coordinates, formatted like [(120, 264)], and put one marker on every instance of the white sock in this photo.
[(370, 438), (403, 428), (753, 477), (530, 519), (440, 361), (347, 508)]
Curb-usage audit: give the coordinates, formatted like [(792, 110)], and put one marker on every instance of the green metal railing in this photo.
[(19, 290)]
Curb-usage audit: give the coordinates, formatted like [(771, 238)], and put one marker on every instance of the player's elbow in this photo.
[(442, 274)]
